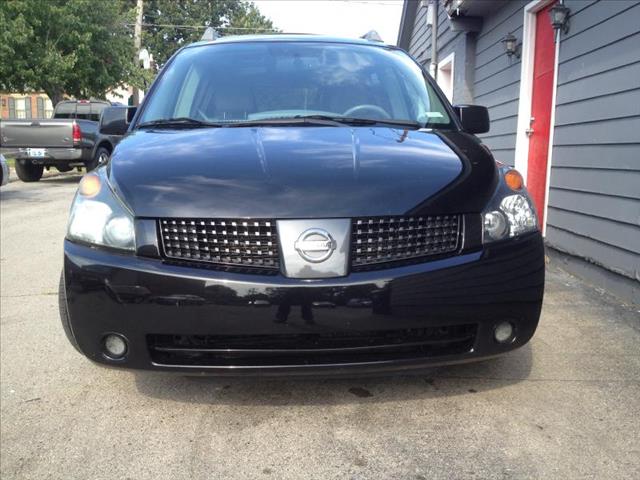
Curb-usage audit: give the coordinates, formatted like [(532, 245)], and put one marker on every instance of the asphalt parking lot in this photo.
[(565, 406)]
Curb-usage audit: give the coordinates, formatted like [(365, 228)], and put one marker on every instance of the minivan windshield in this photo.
[(250, 82)]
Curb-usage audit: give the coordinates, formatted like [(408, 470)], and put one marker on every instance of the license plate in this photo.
[(36, 152)]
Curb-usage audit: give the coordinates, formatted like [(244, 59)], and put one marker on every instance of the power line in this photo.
[(201, 27)]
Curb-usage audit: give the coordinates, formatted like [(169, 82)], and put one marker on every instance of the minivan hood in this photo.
[(300, 172)]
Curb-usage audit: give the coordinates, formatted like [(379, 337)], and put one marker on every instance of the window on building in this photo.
[(40, 104), (445, 76), (27, 107), (48, 109), (12, 107), (20, 108)]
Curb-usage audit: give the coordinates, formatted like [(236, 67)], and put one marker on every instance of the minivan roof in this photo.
[(288, 37)]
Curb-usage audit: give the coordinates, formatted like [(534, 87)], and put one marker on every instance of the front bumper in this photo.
[(192, 320)]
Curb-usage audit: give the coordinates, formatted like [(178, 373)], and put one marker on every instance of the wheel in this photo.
[(101, 157), (28, 171)]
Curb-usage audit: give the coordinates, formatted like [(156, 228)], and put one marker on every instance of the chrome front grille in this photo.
[(236, 242), (252, 245), (380, 240)]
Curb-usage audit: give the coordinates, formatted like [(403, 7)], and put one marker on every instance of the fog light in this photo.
[(503, 333), (115, 346)]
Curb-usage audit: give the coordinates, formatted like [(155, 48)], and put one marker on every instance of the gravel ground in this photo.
[(565, 406)]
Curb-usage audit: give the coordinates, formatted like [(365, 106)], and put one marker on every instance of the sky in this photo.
[(344, 18)]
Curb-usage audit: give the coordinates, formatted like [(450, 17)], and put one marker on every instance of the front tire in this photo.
[(28, 171), (100, 158)]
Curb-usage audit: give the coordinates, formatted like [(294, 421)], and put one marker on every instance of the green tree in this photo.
[(247, 19), (79, 47), (170, 24)]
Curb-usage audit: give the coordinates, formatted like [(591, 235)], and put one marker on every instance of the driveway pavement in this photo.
[(565, 406)]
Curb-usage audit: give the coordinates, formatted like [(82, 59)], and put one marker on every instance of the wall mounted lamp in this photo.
[(511, 46), (559, 14)]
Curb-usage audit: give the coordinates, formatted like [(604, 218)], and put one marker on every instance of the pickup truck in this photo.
[(68, 140)]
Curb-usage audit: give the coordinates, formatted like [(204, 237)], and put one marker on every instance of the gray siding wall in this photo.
[(448, 42), (497, 79), (420, 39), (594, 196)]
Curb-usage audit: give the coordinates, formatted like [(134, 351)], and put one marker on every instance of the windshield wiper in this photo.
[(298, 119), (179, 122), (331, 120), (362, 121)]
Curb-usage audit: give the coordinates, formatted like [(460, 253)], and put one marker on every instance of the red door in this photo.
[(543, 69)]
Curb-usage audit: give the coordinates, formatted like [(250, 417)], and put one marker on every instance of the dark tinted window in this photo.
[(81, 110), (96, 110), (65, 110)]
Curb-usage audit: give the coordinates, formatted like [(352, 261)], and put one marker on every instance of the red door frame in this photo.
[(541, 106), (536, 10)]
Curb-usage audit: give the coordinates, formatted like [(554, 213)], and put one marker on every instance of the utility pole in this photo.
[(137, 43)]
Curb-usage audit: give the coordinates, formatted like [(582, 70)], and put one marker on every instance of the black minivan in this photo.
[(293, 204)]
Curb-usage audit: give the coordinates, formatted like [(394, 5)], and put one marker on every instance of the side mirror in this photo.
[(474, 118), (116, 120)]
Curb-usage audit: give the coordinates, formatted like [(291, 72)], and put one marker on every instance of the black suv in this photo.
[(299, 204)]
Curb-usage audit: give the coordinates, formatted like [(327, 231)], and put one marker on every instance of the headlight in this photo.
[(509, 213), (495, 225), (98, 217), (520, 214)]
